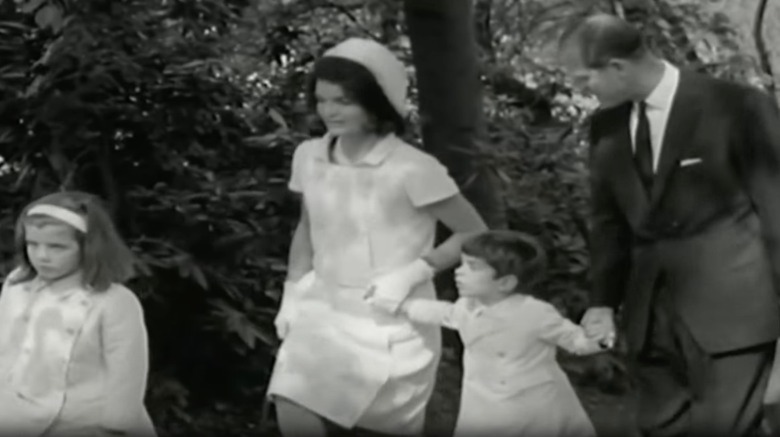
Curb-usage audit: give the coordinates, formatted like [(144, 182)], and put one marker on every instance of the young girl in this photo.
[(73, 345), (370, 205), (512, 383)]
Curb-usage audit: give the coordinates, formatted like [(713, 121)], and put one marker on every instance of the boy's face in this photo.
[(475, 278)]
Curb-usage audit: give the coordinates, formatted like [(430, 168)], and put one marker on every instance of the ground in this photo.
[(611, 413)]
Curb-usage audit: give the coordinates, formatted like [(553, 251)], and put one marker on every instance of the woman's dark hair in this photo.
[(360, 86), (511, 253), (602, 37)]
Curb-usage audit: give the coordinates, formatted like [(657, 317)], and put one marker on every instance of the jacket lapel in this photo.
[(683, 121), (628, 186)]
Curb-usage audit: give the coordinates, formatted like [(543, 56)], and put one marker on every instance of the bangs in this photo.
[(350, 75)]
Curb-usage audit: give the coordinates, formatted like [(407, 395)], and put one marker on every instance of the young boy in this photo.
[(512, 383)]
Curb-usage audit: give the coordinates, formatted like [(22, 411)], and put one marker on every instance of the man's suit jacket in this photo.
[(711, 225)]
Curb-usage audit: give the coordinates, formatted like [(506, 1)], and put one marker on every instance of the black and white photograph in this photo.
[(377, 218)]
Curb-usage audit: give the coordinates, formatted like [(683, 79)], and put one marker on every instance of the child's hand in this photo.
[(381, 304), (607, 343)]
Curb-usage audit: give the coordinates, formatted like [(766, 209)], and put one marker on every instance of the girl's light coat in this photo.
[(512, 383), (72, 362)]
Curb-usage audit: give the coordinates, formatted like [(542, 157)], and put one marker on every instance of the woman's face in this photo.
[(341, 115)]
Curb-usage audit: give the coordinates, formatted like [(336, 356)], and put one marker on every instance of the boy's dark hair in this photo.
[(360, 86), (510, 253), (602, 37)]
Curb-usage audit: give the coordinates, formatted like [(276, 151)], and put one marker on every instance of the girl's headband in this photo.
[(60, 213)]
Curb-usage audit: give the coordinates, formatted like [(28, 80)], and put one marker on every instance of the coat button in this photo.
[(502, 354), (70, 331)]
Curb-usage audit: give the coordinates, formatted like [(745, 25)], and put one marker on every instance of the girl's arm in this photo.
[(300, 257), (463, 220), (558, 330), (126, 357)]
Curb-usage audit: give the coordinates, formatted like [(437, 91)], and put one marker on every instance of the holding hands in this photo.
[(388, 291), (599, 324)]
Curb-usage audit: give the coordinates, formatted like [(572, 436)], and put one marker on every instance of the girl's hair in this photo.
[(360, 86), (105, 258), (510, 253)]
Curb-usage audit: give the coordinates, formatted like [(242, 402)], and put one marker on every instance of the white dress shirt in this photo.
[(659, 103)]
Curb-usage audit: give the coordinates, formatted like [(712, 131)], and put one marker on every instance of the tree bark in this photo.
[(763, 52), (444, 54)]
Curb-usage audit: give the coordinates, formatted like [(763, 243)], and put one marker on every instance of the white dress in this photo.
[(512, 383), (342, 359)]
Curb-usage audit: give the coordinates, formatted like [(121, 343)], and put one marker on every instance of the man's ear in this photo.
[(508, 283), (619, 65)]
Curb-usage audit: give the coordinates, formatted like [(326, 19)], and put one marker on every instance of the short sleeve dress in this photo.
[(342, 359)]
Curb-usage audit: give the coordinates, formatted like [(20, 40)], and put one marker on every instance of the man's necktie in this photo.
[(643, 154)]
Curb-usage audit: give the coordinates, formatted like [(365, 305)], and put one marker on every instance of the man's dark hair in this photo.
[(602, 37)]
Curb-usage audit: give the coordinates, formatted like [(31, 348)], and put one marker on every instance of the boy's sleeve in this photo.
[(562, 332), (126, 355), (433, 312), (428, 181)]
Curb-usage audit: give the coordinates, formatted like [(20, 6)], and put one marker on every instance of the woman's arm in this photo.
[(460, 217), (300, 257)]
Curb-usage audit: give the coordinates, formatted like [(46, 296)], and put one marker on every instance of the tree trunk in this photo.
[(444, 53), (764, 60)]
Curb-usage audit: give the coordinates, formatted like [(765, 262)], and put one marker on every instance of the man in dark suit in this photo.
[(685, 173)]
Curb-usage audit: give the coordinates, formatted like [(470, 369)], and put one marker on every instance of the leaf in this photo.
[(198, 276), (277, 117), (238, 323), (49, 16), (30, 6)]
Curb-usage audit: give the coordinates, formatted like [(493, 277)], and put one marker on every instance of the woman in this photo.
[(370, 204)]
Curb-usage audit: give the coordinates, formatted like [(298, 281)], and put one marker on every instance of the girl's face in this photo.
[(477, 279), (53, 250), (341, 115)]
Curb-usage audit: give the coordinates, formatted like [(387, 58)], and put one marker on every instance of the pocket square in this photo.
[(689, 161)]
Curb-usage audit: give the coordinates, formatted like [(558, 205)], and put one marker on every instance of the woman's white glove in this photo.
[(290, 306), (388, 291)]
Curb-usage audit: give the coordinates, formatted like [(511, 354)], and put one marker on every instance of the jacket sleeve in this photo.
[(610, 233), (558, 330), (759, 158), (126, 356), (433, 312)]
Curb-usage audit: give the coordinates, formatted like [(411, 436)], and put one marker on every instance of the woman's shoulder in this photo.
[(312, 145), (415, 158)]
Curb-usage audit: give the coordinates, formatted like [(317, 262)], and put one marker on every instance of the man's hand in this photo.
[(599, 324)]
